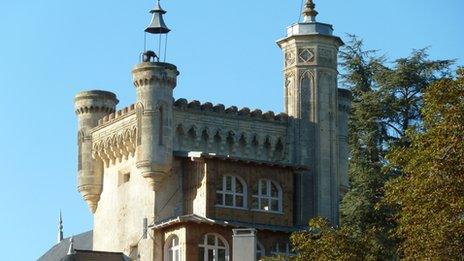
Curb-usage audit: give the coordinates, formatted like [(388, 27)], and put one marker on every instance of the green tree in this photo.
[(429, 195), (324, 242), (386, 103), (402, 88), (367, 136)]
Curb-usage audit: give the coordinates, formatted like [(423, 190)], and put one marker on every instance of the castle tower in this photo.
[(154, 82), (311, 98), (90, 107)]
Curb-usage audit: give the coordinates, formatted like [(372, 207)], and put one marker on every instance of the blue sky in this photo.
[(225, 51)]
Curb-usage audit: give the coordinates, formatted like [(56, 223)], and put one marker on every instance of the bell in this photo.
[(157, 25)]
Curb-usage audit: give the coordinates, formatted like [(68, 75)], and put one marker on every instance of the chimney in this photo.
[(244, 244)]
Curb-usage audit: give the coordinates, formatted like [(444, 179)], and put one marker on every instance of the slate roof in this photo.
[(88, 255), (82, 241)]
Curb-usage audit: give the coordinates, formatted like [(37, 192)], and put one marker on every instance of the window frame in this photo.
[(223, 192), (204, 244), (169, 248), (260, 197)]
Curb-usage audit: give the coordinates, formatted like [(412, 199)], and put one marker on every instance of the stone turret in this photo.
[(344, 108), (91, 106), (154, 82), (311, 98)]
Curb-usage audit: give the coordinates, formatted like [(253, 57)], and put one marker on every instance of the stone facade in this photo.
[(196, 170)]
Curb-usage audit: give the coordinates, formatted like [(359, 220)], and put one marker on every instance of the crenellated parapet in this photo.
[(233, 132), (116, 116), (232, 111), (239, 133)]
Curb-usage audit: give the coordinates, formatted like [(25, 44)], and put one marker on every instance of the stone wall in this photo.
[(238, 133), (126, 199)]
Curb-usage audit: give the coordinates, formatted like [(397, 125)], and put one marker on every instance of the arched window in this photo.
[(231, 192), (213, 247), (267, 196), (172, 249)]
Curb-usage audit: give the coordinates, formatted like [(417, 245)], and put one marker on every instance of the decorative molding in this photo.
[(144, 80), (290, 58), (306, 74), (116, 147), (306, 55), (92, 109), (230, 142)]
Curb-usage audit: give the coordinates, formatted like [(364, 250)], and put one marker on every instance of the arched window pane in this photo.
[(229, 200), (173, 249), (275, 205), (263, 187), (255, 189), (274, 191), (221, 255), (228, 183), (267, 196), (175, 242), (238, 187), (214, 248), (211, 240), (239, 201), (231, 193)]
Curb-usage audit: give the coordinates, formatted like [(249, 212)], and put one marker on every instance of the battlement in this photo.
[(95, 101), (115, 116), (233, 111), (231, 131)]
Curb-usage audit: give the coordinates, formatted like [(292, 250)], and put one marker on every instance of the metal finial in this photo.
[(71, 250), (310, 12), (157, 25), (60, 228)]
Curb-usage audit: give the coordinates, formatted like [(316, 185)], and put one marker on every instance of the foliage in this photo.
[(323, 242), (402, 89), (367, 136), (387, 102), (430, 194)]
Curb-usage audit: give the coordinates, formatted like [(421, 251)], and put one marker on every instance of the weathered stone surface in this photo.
[(163, 159)]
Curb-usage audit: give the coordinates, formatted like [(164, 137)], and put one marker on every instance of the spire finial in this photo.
[(310, 12), (71, 250), (60, 228)]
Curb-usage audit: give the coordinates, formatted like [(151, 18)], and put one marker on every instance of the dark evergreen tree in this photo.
[(367, 138), (387, 101)]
